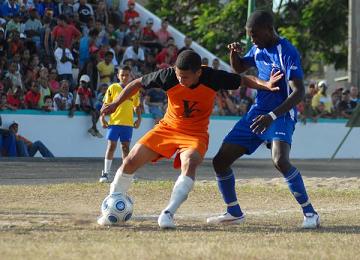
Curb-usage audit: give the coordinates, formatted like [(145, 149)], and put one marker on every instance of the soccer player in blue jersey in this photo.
[(271, 119)]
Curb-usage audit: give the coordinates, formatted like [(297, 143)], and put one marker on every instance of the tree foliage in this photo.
[(318, 28)]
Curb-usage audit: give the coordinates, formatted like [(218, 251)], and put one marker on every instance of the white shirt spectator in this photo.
[(66, 102), (131, 54), (63, 67)]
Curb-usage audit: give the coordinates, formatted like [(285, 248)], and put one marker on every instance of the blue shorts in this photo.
[(281, 129), (122, 132)]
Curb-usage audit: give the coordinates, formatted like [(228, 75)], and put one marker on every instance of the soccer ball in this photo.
[(117, 208)]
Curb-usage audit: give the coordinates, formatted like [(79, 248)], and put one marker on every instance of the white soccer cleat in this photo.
[(311, 221), (103, 221), (226, 219), (166, 220), (104, 177)]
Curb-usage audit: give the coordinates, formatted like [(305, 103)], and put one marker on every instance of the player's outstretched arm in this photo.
[(130, 90), (236, 62), (256, 83)]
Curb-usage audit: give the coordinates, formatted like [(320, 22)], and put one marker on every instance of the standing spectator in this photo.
[(64, 61), (46, 36), (354, 94), (84, 10), (106, 69), (32, 97), (346, 106), (187, 44), (130, 13), (67, 32), (26, 148), (121, 123), (63, 101), (163, 33), (101, 13), (85, 43), (83, 102)]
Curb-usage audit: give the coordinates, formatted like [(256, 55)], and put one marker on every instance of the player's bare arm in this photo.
[(262, 122), (256, 83), (138, 114), (237, 63), (130, 90)]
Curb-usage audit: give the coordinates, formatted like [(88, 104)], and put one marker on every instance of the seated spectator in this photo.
[(215, 64), (131, 35), (346, 106), (100, 96), (14, 24), (354, 94), (163, 34), (16, 98), (32, 97), (167, 55), (7, 142), (101, 13), (9, 9), (106, 68), (63, 100), (130, 13), (156, 101), (321, 96), (48, 104), (66, 7), (83, 102), (135, 53), (3, 102), (187, 44), (26, 148), (16, 44), (44, 85), (120, 34), (84, 10), (14, 76), (148, 37), (53, 83), (306, 112), (205, 61), (322, 112)]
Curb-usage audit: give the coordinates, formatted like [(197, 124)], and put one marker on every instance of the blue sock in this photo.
[(226, 184), (296, 185)]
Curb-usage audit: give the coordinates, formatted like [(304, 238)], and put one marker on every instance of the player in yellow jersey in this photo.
[(121, 121)]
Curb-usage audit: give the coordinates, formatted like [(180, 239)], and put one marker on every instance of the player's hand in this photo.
[(108, 109), (137, 123), (104, 123), (261, 123), (275, 77), (236, 47)]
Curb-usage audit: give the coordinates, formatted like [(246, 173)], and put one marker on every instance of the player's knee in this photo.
[(129, 164), (191, 161), (218, 164), (281, 163)]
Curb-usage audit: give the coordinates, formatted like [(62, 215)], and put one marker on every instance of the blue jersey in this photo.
[(284, 57)]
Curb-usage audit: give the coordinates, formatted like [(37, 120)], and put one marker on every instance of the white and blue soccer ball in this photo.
[(117, 208)]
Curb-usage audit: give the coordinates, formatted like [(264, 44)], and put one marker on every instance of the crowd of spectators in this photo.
[(62, 55)]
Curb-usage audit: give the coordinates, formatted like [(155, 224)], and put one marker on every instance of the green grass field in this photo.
[(59, 222)]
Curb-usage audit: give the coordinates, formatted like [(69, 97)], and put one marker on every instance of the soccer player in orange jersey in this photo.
[(191, 91)]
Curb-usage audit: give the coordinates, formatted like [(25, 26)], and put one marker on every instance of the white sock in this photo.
[(182, 187), (121, 182), (107, 165)]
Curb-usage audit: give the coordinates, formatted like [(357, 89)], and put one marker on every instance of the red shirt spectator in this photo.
[(32, 97), (13, 100), (67, 31), (130, 13), (167, 55), (163, 34)]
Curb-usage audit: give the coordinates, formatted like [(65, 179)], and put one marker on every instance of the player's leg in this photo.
[(125, 148), (190, 160), (222, 162), (125, 139), (280, 156), (109, 156), (138, 156)]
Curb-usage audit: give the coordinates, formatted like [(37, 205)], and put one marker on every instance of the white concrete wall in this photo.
[(68, 137)]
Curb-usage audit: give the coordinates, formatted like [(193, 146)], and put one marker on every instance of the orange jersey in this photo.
[(189, 109)]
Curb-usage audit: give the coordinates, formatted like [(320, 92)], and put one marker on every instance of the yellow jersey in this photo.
[(124, 114)]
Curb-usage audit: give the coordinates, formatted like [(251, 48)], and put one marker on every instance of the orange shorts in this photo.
[(166, 141)]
